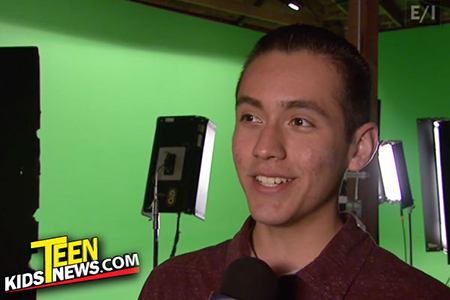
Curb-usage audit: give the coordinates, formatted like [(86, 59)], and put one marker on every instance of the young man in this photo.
[(302, 120)]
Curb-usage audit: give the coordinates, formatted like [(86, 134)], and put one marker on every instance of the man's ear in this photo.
[(363, 147)]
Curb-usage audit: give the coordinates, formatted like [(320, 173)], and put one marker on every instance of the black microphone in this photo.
[(247, 278)]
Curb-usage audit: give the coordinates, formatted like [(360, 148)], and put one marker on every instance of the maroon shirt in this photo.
[(351, 266)]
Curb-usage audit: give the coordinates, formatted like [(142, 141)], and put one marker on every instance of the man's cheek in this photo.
[(239, 148), (238, 158), (314, 159)]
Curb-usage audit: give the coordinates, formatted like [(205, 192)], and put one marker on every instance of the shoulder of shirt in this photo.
[(208, 258), (386, 269), (192, 275), (393, 278)]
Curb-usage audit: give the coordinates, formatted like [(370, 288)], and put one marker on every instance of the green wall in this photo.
[(109, 68), (414, 82)]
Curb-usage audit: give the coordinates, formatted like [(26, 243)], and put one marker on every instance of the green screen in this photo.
[(108, 70), (414, 79)]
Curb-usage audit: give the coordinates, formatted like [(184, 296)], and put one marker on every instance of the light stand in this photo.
[(155, 218), (409, 230)]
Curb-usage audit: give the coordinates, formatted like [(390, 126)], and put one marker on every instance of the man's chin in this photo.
[(270, 219)]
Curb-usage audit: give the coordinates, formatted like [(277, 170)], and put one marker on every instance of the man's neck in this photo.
[(290, 248)]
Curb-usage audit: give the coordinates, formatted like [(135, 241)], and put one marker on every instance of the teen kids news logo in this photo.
[(70, 262)]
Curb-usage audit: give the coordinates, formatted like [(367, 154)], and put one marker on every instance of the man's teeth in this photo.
[(271, 181)]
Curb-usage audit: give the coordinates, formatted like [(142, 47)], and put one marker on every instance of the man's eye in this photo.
[(249, 118), (300, 122)]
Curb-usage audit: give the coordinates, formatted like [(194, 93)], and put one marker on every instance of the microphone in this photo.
[(247, 278)]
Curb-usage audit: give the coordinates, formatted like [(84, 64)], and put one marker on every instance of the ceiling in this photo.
[(266, 15)]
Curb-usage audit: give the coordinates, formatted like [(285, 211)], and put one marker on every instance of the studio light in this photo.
[(394, 184), (434, 149), (180, 167), (181, 160), (394, 175), (294, 5)]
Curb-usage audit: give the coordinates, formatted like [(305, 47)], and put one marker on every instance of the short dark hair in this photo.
[(354, 98)]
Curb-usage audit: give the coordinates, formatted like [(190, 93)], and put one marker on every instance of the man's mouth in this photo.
[(271, 181)]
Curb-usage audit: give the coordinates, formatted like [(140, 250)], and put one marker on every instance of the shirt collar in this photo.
[(336, 267), (239, 246)]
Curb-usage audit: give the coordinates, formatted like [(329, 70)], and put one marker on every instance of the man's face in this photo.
[(289, 143)]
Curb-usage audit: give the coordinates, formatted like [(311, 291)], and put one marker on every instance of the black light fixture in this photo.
[(434, 149), (180, 166), (394, 175), (394, 183)]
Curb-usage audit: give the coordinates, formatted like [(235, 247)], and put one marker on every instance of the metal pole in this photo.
[(155, 216), (410, 236)]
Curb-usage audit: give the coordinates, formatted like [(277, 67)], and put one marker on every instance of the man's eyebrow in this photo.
[(250, 101), (299, 103), (304, 104)]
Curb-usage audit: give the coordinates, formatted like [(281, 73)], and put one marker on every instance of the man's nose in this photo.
[(270, 143)]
